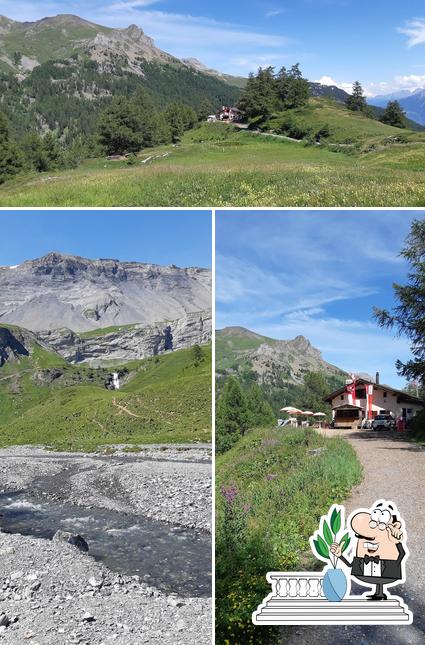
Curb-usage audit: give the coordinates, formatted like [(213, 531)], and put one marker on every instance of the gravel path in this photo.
[(393, 469)]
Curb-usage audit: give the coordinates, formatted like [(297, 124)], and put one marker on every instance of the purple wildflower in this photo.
[(229, 493)]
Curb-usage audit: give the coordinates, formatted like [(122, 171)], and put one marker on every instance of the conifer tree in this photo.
[(394, 115), (408, 317), (356, 102), (232, 415)]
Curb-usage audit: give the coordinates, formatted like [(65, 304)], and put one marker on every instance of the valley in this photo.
[(95, 116), (105, 451)]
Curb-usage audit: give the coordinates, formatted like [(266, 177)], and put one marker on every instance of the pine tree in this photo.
[(175, 119), (120, 128), (394, 115), (11, 158), (261, 413), (408, 317), (197, 355), (357, 100), (259, 98), (232, 415), (293, 90), (35, 152), (205, 109)]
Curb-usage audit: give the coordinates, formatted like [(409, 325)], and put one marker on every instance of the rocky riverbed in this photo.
[(167, 483), (50, 592)]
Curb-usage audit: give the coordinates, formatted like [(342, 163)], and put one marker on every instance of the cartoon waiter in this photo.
[(380, 555)]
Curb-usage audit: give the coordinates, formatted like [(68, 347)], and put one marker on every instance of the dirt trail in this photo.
[(121, 407), (393, 469)]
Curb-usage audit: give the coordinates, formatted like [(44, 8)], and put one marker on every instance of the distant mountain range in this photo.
[(413, 103), (239, 350), (59, 290)]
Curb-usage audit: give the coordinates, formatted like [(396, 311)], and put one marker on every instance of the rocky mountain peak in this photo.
[(301, 344)]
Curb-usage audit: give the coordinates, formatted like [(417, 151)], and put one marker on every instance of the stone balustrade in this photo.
[(296, 585)]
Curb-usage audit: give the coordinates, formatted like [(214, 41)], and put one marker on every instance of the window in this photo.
[(342, 397), (385, 395)]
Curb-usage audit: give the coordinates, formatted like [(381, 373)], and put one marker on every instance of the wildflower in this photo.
[(229, 493)]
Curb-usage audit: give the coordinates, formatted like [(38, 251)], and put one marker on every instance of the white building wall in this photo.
[(382, 400)]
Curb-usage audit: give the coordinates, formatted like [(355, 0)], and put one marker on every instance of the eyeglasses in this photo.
[(380, 525)]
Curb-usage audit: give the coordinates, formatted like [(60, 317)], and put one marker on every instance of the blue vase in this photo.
[(335, 585)]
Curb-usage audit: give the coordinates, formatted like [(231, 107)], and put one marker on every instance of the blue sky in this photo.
[(317, 274), (381, 43), (159, 237)]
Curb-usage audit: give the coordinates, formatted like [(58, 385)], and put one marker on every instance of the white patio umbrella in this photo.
[(319, 415), (290, 410), (308, 413)]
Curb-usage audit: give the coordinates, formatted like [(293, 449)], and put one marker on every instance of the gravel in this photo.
[(167, 483), (393, 469), (51, 593)]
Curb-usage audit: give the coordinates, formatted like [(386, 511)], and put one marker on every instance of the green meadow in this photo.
[(361, 162), (166, 399)]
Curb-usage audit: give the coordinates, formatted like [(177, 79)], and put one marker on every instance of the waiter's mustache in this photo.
[(363, 537)]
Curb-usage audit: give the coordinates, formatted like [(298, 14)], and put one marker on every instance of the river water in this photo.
[(172, 559)]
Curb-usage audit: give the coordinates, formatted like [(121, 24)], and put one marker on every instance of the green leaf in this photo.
[(321, 547), (327, 533), (344, 542), (335, 521)]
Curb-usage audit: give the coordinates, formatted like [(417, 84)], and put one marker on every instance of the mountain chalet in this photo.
[(360, 400)]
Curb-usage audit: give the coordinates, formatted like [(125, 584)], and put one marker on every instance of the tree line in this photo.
[(267, 92), (126, 125)]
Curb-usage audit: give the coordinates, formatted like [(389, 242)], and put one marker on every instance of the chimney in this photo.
[(377, 378)]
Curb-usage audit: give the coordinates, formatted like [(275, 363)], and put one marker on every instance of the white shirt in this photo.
[(372, 569)]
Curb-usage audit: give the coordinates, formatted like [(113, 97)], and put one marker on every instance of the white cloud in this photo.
[(343, 85), (192, 31), (415, 32), (131, 4), (273, 13)]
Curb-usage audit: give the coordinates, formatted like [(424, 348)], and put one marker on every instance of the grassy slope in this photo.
[(18, 390), (345, 126), (282, 489), (230, 348), (213, 167), (48, 42), (169, 400)]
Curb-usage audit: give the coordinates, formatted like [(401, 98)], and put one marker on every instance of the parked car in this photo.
[(383, 422)]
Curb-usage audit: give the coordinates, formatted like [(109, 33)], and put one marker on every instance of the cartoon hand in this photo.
[(394, 532), (336, 549)]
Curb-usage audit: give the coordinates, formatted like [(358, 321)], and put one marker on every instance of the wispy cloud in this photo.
[(131, 4), (274, 12), (316, 274), (415, 31)]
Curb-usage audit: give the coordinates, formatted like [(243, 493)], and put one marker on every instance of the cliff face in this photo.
[(132, 342), (58, 291)]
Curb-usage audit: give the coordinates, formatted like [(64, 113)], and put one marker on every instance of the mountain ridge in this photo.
[(64, 290), (272, 361)]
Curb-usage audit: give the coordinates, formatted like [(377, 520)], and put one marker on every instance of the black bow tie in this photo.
[(371, 558)]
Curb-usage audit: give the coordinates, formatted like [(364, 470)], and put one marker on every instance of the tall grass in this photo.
[(239, 169), (272, 488)]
